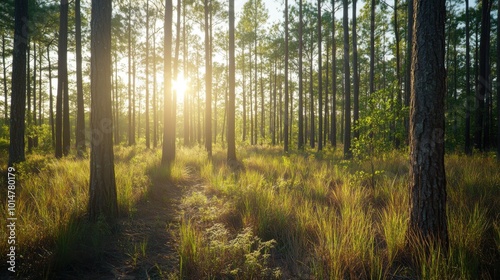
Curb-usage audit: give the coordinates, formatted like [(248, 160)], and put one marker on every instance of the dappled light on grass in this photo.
[(329, 224)]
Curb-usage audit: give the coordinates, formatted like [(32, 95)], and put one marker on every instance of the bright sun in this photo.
[(179, 86)]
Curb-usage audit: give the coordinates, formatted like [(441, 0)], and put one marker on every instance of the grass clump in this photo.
[(216, 254), (51, 206)]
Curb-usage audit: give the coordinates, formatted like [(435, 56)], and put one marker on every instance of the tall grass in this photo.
[(329, 223), (51, 204)]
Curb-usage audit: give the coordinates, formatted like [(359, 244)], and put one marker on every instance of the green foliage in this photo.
[(378, 128), (215, 254)]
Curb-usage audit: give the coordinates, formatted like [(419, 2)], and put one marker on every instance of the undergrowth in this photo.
[(328, 221)]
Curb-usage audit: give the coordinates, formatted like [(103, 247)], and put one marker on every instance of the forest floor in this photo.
[(143, 245)]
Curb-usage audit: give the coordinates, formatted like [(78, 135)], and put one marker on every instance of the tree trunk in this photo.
[(51, 100), (208, 85), (6, 92), (355, 73), (427, 173), (62, 76), (148, 134), (409, 55), (320, 83), (398, 71), (155, 96), (168, 155), (347, 84), (333, 130), (34, 122), (18, 98), (300, 142), (244, 136), (482, 81), (66, 134), (498, 81), (131, 129), (468, 146), (311, 98), (80, 114), (186, 113), (372, 46), (102, 197), (285, 132), (231, 141)]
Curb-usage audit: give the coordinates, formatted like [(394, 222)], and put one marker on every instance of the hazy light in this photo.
[(180, 86)]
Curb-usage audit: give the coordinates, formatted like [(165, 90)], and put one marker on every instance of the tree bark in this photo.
[(372, 46), (300, 142), (483, 79), (428, 90), (231, 144), (355, 74), (347, 85), (320, 83), (80, 115), (102, 197), (62, 77), (285, 128), (51, 100), (168, 155), (18, 98), (208, 85), (6, 91), (148, 134), (333, 130)]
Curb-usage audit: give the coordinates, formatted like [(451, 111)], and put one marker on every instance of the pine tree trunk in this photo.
[(355, 73), (285, 132), (148, 134), (333, 130), (102, 196), (208, 85), (66, 134), (427, 124), (6, 92), (62, 77), (231, 141), (80, 115), (168, 138), (347, 84), (18, 98), (320, 83), (482, 81), (300, 142), (51, 100)]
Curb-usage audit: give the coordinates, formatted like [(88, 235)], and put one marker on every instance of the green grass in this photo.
[(330, 223), (51, 201), (302, 215)]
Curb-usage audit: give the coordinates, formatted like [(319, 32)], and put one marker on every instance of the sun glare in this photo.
[(179, 86)]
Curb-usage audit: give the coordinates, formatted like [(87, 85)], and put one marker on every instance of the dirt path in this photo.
[(142, 246)]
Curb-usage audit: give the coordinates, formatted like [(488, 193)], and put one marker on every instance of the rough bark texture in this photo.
[(80, 115), (355, 69), (333, 129), (483, 79), (18, 98), (62, 81), (372, 46), (468, 145), (427, 174), (167, 153), (285, 132), (300, 142), (102, 197), (347, 84), (320, 84), (208, 85), (231, 141)]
